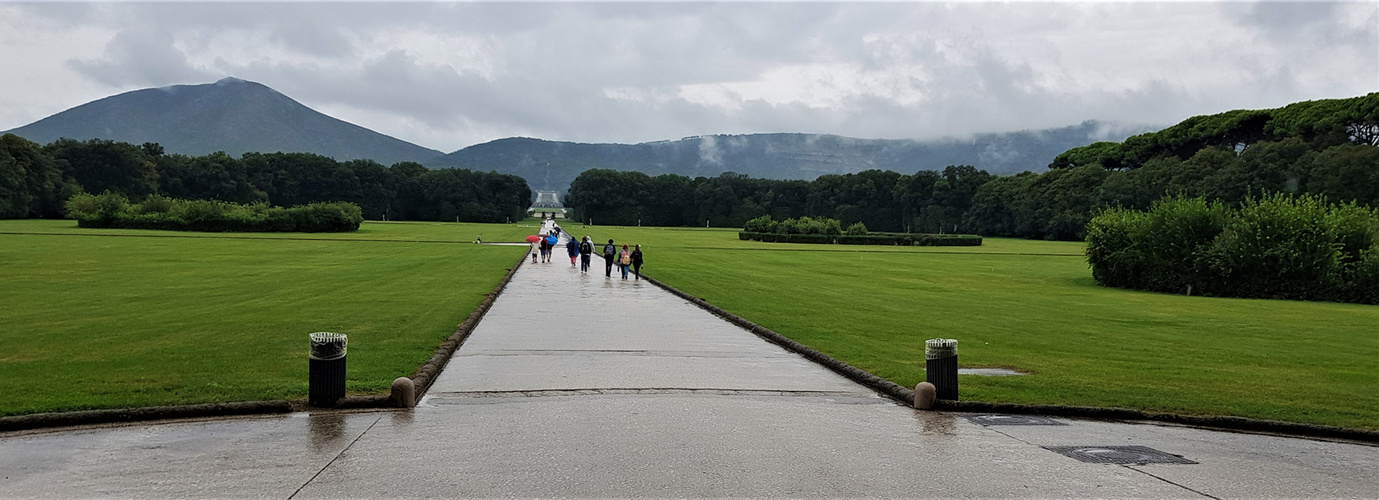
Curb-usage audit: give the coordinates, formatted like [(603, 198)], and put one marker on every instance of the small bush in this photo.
[(156, 204), (856, 229), (96, 210)]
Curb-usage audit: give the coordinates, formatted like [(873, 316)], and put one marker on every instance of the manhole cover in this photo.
[(1012, 420), (1125, 455)]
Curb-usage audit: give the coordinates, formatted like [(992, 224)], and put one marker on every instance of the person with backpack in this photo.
[(586, 249), (637, 262), (624, 260), (608, 255)]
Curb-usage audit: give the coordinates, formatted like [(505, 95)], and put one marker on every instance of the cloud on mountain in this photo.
[(454, 74)]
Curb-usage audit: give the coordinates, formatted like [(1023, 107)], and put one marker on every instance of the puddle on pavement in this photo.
[(325, 429), (936, 423)]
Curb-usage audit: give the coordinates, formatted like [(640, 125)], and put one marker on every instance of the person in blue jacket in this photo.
[(572, 248)]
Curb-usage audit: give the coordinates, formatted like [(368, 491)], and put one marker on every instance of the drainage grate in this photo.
[(1124, 455), (1012, 420)]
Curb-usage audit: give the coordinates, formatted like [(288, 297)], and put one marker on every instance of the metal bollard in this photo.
[(941, 367), (326, 379)]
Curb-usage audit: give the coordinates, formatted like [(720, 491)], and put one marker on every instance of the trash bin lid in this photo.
[(328, 345), (940, 348)]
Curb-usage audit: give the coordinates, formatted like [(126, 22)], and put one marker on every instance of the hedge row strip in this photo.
[(934, 240), (114, 211)]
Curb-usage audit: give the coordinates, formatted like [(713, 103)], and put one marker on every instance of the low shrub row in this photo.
[(1278, 246), (113, 210), (802, 225), (902, 239)]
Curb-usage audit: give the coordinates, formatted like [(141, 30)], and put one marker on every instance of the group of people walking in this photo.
[(543, 245), (625, 260), (629, 261)]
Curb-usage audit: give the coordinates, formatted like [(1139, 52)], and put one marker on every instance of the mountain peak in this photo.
[(231, 115)]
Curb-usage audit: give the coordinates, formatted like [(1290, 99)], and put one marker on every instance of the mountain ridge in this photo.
[(551, 165), (238, 116)]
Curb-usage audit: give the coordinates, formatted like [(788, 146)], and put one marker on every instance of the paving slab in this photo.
[(240, 457), (577, 385)]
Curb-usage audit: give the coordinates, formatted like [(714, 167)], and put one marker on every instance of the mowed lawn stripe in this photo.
[(100, 322)]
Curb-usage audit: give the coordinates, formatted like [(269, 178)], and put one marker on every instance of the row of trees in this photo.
[(926, 201), (35, 180), (1321, 124), (1057, 204), (1323, 147)]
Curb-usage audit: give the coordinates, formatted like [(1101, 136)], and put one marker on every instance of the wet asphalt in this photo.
[(578, 385)]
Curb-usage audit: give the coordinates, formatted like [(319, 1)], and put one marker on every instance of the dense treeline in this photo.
[(113, 210), (1325, 147), (930, 202), (35, 180), (1277, 246)]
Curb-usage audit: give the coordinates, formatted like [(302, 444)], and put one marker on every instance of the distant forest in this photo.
[(35, 180), (1324, 147)]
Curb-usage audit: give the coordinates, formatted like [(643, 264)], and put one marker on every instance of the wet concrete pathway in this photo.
[(577, 385)]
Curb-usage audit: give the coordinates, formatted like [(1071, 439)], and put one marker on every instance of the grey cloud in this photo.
[(544, 68), (144, 57)]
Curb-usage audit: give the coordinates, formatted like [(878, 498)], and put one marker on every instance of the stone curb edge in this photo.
[(121, 415), (422, 379), (907, 396), (891, 389), (1128, 414), (426, 374)]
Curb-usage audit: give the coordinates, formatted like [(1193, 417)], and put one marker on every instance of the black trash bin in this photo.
[(326, 380), (941, 367)]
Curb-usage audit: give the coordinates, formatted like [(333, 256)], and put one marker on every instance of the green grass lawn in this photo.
[(92, 320), (1033, 306), (113, 318)]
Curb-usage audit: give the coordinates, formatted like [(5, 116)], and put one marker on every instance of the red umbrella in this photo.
[(533, 239)]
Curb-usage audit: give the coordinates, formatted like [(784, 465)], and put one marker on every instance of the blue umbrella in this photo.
[(552, 239)]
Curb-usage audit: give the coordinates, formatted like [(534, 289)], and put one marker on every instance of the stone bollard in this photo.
[(925, 394), (404, 393)]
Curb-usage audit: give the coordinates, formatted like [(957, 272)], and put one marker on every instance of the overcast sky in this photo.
[(449, 75)]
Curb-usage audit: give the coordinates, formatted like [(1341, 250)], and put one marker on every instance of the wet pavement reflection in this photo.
[(325, 430), (936, 423)]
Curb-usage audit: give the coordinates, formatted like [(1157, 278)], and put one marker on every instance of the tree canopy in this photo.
[(35, 180)]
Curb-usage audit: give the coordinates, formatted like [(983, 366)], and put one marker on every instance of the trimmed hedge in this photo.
[(901, 239), (824, 230), (113, 210), (802, 225), (1278, 247)]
